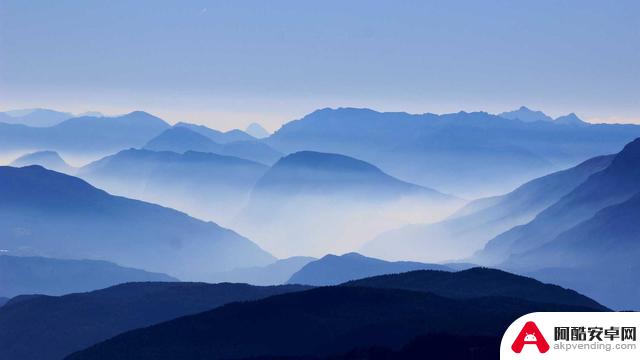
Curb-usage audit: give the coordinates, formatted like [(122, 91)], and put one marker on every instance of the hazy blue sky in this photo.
[(230, 63)]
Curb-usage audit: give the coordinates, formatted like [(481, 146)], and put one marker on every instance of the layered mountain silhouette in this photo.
[(476, 283), (470, 228), (47, 327), (526, 115), (3, 300), (257, 131), (334, 270), (334, 320), (206, 185), (273, 274), (591, 230), (48, 159), (48, 213), (193, 138), (181, 139), (313, 203), (34, 117), (570, 119), (85, 134), (39, 275), (468, 154), (615, 184), (598, 256), (218, 136)]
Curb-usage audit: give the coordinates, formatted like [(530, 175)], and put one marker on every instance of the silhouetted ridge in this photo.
[(309, 171), (180, 139), (40, 275), (479, 282), (77, 220), (318, 322), (49, 328), (470, 228), (450, 152), (333, 270)]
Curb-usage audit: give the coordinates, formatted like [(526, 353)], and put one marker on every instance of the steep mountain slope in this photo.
[(198, 138), (84, 134), (38, 275), (334, 270), (470, 228), (45, 327), (205, 185), (48, 159), (273, 274), (478, 282), (613, 185), (452, 152), (47, 213), (318, 322), (313, 203), (3, 300), (605, 247)]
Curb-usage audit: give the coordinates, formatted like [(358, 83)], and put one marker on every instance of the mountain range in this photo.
[(218, 136), (329, 321), (616, 183), (50, 327), (39, 275), (206, 185), (34, 117), (527, 115), (334, 270), (591, 230), (313, 203), (182, 138), (47, 213), (452, 152), (470, 228), (85, 134)]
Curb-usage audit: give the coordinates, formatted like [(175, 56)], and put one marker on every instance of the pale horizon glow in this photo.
[(228, 64)]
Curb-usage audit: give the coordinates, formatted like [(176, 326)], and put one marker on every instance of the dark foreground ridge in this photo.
[(335, 321)]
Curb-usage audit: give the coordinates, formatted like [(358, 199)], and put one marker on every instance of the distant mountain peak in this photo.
[(181, 139), (336, 269), (526, 115), (257, 131), (326, 161), (569, 119), (47, 158), (36, 117), (141, 114)]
